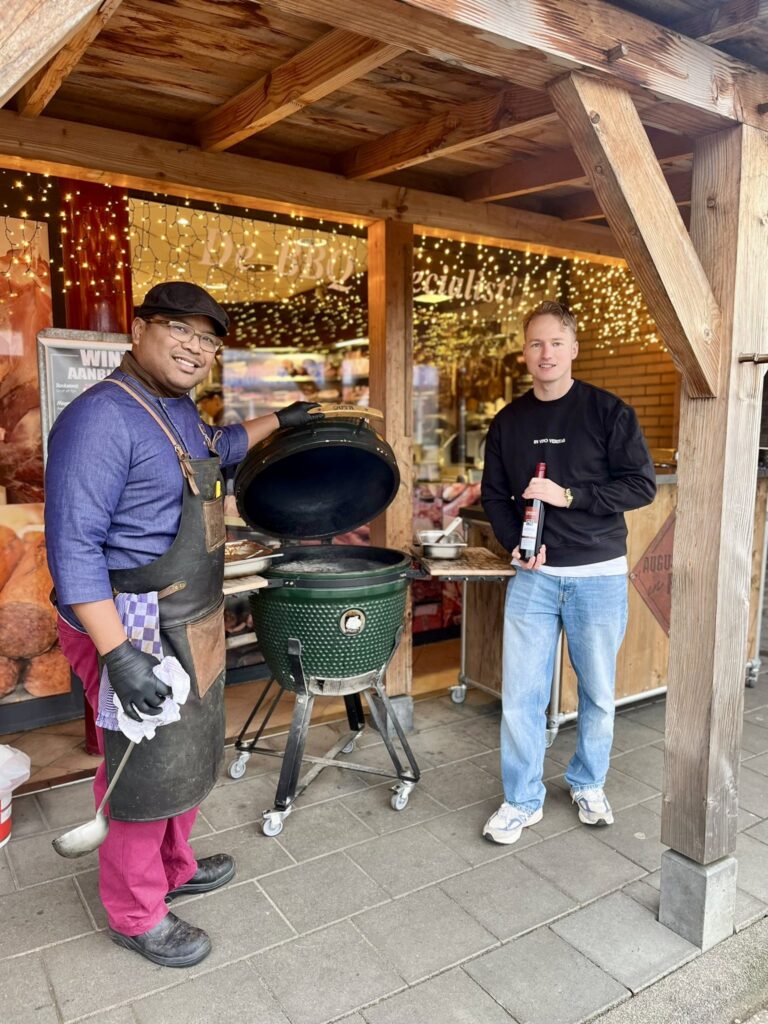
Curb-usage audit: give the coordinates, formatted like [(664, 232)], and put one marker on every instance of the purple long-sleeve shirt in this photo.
[(113, 485)]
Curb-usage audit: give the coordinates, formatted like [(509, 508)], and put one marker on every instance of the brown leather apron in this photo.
[(177, 769)]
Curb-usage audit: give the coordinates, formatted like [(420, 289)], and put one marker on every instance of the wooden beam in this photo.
[(595, 34), (724, 21), (31, 32), (587, 206), (326, 65), (35, 96), (497, 37), (470, 124), (606, 133), (716, 496), (50, 146), (390, 332), (553, 169), (427, 34)]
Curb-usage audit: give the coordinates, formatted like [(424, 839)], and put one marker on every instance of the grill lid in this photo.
[(329, 477)]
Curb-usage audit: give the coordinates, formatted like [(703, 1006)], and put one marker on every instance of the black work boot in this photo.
[(171, 943), (212, 873)]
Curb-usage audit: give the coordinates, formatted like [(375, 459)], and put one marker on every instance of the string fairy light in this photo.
[(26, 203), (301, 282)]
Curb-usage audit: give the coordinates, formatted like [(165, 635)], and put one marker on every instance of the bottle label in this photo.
[(529, 529)]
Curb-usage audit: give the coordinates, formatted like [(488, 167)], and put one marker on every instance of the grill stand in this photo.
[(289, 787)]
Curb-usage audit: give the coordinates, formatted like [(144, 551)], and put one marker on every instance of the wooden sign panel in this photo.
[(652, 575)]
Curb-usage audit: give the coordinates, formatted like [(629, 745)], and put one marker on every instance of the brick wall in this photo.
[(644, 377)]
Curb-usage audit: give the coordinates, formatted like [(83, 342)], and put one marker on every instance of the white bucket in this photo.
[(6, 801)]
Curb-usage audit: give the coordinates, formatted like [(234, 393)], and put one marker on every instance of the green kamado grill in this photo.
[(330, 619)]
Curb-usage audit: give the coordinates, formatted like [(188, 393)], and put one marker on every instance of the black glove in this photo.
[(298, 414), (134, 682)]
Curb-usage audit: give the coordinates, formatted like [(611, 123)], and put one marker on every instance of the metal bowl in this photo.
[(448, 549), (245, 558)]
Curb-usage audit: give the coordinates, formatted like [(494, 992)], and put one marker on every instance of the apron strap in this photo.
[(211, 443), (184, 458)]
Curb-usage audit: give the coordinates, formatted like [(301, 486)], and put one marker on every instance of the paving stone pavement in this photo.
[(360, 914)]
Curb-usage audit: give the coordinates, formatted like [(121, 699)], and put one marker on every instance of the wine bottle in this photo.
[(533, 522)]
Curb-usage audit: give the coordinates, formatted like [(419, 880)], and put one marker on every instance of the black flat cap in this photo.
[(182, 298)]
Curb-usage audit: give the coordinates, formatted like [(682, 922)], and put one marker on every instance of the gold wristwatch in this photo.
[(568, 494)]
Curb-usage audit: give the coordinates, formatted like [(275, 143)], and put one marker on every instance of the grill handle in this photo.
[(417, 569)]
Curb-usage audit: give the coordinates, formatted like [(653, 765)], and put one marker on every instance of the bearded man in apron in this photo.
[(134, 505)]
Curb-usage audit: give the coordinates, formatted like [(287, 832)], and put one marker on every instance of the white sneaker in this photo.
[(507, 824), (593, 805)]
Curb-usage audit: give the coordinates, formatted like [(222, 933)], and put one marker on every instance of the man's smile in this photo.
[(186, 363)]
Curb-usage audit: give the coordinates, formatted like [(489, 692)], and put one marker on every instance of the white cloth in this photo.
[(170, 672)]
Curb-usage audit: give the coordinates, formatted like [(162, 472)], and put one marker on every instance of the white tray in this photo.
[(246, 566)]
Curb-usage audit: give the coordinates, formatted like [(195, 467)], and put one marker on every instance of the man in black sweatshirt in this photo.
[(597, 468)]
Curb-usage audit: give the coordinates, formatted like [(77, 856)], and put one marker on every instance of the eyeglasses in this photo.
[(184, 333)]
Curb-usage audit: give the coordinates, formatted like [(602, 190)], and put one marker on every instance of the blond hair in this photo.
[(556, 309)]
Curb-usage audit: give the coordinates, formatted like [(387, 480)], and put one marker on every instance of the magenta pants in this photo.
[(139, 861)]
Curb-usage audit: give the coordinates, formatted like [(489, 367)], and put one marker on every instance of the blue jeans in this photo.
[(592, 611)]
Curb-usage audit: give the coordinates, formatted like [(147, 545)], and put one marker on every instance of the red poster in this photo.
[(31, 664), (25, 309), (652, 576)]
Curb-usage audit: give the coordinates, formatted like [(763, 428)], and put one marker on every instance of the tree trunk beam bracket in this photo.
[(618, 159)]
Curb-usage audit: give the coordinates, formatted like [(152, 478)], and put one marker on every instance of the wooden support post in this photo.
[(390, 319), (716, 494)]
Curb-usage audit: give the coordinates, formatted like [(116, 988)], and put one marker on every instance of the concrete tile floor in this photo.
[(360, 914)]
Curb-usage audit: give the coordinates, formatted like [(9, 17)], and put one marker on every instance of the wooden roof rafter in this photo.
[(586, 206), (596, 35), (544, 39), (37, 93), (724, 21), (507, 49), (31, 33), (465, 126), (325, 66), (522, 177)]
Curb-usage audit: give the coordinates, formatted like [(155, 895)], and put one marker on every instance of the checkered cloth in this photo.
[(140, 614)]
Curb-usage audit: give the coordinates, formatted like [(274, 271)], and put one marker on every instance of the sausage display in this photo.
[(27, 617), (11, 550), (9, 675), (47, 674)]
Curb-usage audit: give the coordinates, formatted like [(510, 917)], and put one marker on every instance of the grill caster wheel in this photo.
[(348, 747), (398, 801), (272, 827), (237, 769), (458, 694)]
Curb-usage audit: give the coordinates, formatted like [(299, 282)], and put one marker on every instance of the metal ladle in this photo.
[(89, 836)]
